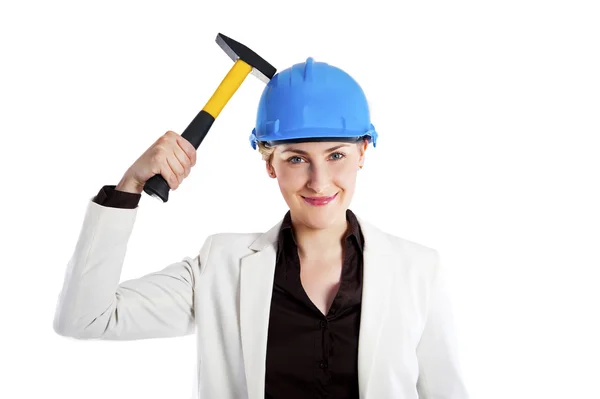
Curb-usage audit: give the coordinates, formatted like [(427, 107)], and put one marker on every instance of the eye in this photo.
[(294, 159), (341, 155)]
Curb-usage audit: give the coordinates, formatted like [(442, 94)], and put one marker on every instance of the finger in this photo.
[(169, 176), (176, 167), (188, 148), (183, 159)]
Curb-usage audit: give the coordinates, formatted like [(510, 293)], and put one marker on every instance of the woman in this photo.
[(324, 304)]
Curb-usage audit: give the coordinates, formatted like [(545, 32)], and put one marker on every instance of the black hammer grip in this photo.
[(157, 186)]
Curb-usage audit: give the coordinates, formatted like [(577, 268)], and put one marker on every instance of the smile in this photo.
[(319, 201)]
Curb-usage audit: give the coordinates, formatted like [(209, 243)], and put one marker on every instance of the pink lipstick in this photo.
[(319, 201)]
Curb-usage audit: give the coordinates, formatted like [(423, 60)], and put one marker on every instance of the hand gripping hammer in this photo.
[(245, 61)]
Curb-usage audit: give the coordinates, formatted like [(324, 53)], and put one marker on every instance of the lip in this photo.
[(320, 201)]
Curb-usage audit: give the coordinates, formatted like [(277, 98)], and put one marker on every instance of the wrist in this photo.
[(129, 186)]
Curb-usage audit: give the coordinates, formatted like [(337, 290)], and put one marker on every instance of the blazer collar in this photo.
[(268, 238), (256, 287)]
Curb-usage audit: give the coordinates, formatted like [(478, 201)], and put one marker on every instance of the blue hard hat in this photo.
[(312, 101)]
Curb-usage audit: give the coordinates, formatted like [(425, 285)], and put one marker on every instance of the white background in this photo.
[(488, 115)]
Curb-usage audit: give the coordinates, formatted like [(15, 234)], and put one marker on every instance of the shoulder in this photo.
[(407, 254), (396, 242)]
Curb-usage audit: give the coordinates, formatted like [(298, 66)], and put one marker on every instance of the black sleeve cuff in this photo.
[(109, 196)]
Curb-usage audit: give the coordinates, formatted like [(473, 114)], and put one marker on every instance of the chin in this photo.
[(320, 217)]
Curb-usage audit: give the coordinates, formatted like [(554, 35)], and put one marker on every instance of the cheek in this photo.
[(291, 179), (346, 177)]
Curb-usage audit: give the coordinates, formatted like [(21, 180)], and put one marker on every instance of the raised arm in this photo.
[(94, 305)]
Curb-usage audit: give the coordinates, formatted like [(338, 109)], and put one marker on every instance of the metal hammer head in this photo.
[(235, 50)]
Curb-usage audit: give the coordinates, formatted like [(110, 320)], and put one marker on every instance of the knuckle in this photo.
[(167, 138), (157, 156), (161, 144)]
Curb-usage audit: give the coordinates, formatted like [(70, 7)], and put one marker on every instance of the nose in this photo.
[(319, 178)]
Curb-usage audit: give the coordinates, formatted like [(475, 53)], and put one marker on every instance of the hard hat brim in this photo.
[(272, 143), (315, 135)]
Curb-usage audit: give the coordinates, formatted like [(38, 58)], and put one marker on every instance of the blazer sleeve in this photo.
[(440, 374), (94, 305)]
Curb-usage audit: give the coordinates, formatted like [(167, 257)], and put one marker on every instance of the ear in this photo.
[(362, 149), (270, 170)]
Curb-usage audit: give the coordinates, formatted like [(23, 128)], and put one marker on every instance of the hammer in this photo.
[(245, 61)]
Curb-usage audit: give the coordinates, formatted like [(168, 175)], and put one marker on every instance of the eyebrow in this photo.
[(306, 153)]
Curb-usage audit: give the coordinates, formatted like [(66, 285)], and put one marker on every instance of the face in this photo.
[(317, 180)]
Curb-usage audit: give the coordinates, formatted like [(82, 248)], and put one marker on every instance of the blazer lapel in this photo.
[(378, 261), (256, 289)]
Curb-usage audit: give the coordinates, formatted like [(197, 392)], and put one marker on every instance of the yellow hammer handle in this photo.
[(229, 85)]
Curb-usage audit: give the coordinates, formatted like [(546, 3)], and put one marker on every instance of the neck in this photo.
[(320, 243)]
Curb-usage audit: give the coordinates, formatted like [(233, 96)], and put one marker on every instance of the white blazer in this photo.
[(407, 343)]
